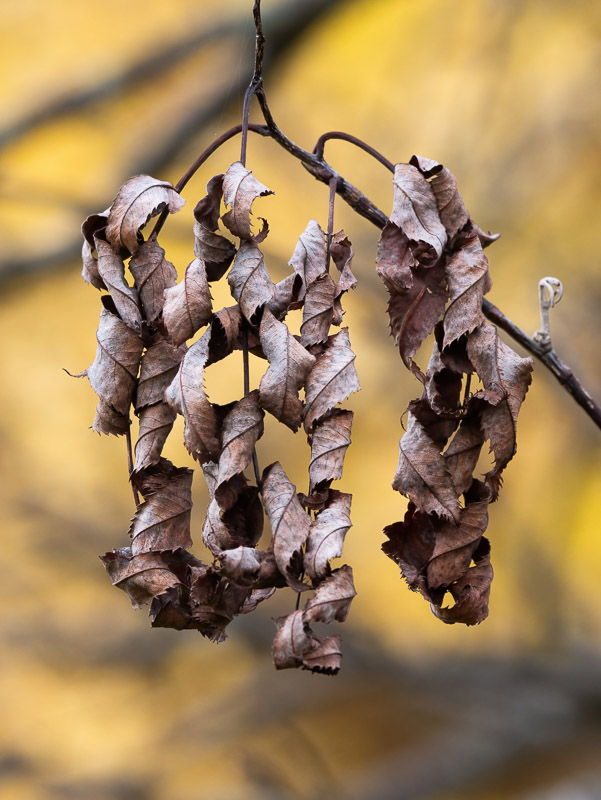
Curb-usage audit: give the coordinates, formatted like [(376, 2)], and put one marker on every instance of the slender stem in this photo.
[(130, 466), (347, 137), (332, 198), (248, 96), (466, 394)]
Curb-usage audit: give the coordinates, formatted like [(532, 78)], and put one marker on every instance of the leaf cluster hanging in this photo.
[(431, 260)]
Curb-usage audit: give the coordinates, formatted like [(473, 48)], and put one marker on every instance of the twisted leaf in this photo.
[(453, 213), (242, 428), (159, 365), (156, 422), (332, 379), (329, 442), (471, 592), (326, 536), (152, 275), (213, 249), (332, 598), (240, 190), (295, 645), (141, 577), (188, 305), (91, 226), (394, 259), (468, 281), (414, 210), (249, 280), (318, 310), (112, 273), (309, 257)]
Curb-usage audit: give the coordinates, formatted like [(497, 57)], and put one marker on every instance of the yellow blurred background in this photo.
[(96, 705)]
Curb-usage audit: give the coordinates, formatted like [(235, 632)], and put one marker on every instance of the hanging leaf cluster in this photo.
[(157, 338)]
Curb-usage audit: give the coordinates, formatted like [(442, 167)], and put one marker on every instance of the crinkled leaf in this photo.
[(329, 442), (414, 210), (246, 566), (214, 602), (286, 295), (443, 384), (156, 422), (240, 190), (451, 209), (332, 598), (289, 365), (242, 428), (249, 280), (159, 365), (153, 274), (318, 310), (471, 592), (423, 475), (332, 379), (295, 645), (290, 525), (326, 536), (240, 525), (394, 259), (162, 522), (187, 396), (112, 272), (342, 255), (255, 597), (211, 247), (309, 257), (141, 577), (464, 449), (468, 281), (113, 373), (188, 305), (91, 226), (138, 200)]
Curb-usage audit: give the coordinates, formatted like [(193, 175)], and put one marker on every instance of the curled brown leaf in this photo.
[(240, 190)]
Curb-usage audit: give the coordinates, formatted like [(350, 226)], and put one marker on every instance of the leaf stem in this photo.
[(130, 465), (332, 198), (347, 137)]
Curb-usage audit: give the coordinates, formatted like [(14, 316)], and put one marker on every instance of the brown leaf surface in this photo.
[(295, 645), (471, 593), (152, 275), (394, 259), (290, 525), (156, 422), (332, 598), (249, 280), (187, 396), (240, 190), (289, 366), (342, 255), (242, 428), (468, 281), (332, 379), (213, 249), (318, 310), (309, 257), (451, 209), (329, 442), (326, 536), (162, 522), (91, 226), (423, 475), (138, 200), (286, 295), (112, 272), (141, 577), (113, 373), (188, 305), (159, 366), (414, 210)]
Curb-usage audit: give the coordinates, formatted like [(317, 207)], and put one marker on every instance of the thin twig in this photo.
[(347, 137), (130, 466), (331, 199)]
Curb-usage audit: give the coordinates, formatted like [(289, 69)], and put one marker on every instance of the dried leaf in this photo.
[(289, 365), (187, 396), (188, 305), (141, 577), (240, 525), (468, 281), (113, 373), (162, 522), (414, 210), (394, 260), (213, 249), (112, 272), (326, 536), (242, 428), (138, 200), (152, 275), (255, 597), (332, 597), (318, 310), (309, 257), (214, 602), (332, 379), (423, 475), (285, 295), (156, 422), (329, 442), (246, 566), (289, 524), (240, 190), (463, 451), (471, 592), (249, 280), (159, 366), (342, 255), (453, 214), (91, 226), (295, 645)]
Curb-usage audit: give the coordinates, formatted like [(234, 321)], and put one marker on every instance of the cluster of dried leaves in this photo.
[(431, 259), (142, 360)]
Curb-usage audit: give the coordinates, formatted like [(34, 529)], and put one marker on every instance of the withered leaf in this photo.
[(158, 368), (249, 280), (91, 226), (414, 313), (214, 602), (451, 209), (188, 304), (141, 577), (295, 645), (394, 259), (332, 379), (187, 396), (255, 597), (443, 384), (463, 451), (289, 365), (152, 275), (326, 535), (285, 295), (242, 428), (318, 310), (439, 427), (329, 442), (156, 422), (113, 373), (246, 566), (240, 190), (332, 598), (342, 255), (240, 525), (112, 272), (162, 522), (471, 592), (309, 257), (211, 247), (423, 475), (138, 200), (414, 210), (468, 281), (290, 525)]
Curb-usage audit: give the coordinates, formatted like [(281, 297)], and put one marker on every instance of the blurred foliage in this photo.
[(95, 705)]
